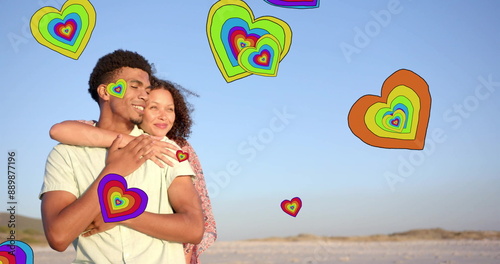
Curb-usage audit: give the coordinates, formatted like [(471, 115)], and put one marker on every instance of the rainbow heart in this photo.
[(239, 39), (263, 59), (181, 155), (294, 3), (117, 202), (117, 89), (232, 28), (397, 119), (67, 31), (15, 251), (292, 207)]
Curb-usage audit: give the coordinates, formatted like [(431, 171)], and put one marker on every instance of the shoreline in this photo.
[(323, 252)]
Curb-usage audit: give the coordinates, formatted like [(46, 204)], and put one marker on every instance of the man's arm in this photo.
[(184, 226), (65, 217)]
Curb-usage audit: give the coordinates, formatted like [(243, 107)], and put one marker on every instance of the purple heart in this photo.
[(294, 3), (138, 199)]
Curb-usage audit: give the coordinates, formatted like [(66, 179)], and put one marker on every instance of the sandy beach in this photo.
[(319, 252)]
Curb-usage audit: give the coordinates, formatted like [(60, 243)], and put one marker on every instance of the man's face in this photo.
[(131, 106)]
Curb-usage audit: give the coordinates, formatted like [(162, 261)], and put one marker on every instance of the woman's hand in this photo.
[(124, 161), (161, 150)]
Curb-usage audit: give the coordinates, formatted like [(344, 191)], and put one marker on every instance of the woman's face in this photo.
[(159, 115)]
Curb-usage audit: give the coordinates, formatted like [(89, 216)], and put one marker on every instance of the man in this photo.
[(70, 204)]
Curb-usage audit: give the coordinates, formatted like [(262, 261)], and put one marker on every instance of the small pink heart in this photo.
[(292, 207), (181, 155)]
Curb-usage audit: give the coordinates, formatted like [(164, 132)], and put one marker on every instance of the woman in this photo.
[(166, 113)]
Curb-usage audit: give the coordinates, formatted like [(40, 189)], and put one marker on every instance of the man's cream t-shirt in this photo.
[(74, 169)]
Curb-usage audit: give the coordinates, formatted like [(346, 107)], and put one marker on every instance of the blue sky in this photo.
[(453, 183)]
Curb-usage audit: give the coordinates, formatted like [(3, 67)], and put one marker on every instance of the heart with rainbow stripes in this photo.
[(16, 252), (67, 31), (292, 207), (243, 45), (117, 202), (396, 119), (294, 3)]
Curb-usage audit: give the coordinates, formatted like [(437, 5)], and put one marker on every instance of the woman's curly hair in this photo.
[(181, 129)]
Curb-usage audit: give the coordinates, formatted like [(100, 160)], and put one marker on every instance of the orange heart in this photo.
[(405, 96)]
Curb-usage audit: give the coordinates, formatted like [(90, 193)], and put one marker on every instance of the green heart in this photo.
[(41, 26), (263, 59), (228, 14)]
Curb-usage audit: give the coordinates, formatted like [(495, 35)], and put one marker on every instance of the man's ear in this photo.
[(103, 92)]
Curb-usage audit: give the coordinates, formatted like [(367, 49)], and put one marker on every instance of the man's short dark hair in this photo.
[(109, 65)]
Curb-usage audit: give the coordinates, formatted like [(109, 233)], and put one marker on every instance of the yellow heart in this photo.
[(231, 23), (49, 27), (263, 59), (404, 95), (117, 89)]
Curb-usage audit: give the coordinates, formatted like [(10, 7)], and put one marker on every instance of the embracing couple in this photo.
[(139, 131)]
